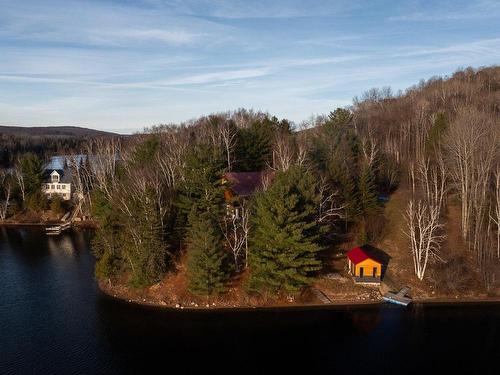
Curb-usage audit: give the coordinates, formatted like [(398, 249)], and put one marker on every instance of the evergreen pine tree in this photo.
[(254, 146), (206, 257), (152, 257), (367, 189), (202, 188), (339, 118), (106, 242), (342, 179), (341, 160), (284, 241), (437, 131), (32, 170)]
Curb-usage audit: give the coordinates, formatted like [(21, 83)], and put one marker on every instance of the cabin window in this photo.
[(374, 271), (53, 187), (55, 178), (63, 186), (58, 187)]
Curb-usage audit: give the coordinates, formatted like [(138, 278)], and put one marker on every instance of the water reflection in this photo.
[(54, 320), (366, 321), (60, 243)]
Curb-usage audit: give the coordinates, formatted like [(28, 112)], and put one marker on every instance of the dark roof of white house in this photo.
[(64, 175), (59, 162)]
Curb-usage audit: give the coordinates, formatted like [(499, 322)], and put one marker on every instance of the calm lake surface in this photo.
[(53, 320)]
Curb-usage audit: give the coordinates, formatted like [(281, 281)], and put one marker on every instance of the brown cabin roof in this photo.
[(246, 183)]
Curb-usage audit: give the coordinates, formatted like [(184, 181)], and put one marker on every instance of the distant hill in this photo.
[(54, 131)]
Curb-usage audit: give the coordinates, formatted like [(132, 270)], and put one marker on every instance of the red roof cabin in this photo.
[(364, 266)]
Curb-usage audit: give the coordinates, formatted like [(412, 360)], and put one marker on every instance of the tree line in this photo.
[(164, 202), (444, 136), (160, 203)]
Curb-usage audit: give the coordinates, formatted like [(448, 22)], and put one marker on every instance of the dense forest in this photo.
[(419, 169), (43, 141), (24, 152)]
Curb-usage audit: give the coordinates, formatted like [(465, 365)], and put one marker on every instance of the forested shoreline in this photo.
[(415, 173)]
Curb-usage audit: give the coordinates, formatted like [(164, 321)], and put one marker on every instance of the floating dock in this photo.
[(66, 222), (57, 229), (399, 298)]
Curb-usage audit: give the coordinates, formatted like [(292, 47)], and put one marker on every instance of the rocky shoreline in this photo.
[(122, 294)]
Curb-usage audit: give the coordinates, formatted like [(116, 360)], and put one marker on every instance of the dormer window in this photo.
[(54, 177)]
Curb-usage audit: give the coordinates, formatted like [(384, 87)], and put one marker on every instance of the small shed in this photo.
[(363, 265)]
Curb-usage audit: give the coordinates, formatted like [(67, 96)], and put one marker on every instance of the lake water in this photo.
[(53, 320)]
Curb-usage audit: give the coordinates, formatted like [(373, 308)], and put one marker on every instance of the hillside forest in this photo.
[(414, 173)]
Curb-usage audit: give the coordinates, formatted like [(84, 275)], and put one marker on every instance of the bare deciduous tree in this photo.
[(463, 143), (328, 210), (5, 182), (171, 157), (283, 153), (104, 154), (369, 149), (235, 228), (473, 145), (18, 174), (495, 212), (433, 180), (423, 231), (229, 133)]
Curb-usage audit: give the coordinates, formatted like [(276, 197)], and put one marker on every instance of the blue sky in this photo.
[(124, 65)]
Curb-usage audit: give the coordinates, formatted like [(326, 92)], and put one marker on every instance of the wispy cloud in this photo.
[(124, 36), (134, 63), (98, 24), (216, 77), (488, 47), (262, 9), (167, 36), (453, 11), (188, 80)]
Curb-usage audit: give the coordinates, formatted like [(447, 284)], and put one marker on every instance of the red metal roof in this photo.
[(246, 183), (358, 255)]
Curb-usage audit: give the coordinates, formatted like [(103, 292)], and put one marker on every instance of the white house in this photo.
[(58, 182)]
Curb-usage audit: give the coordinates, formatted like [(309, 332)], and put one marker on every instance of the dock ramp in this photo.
[(399, 298)]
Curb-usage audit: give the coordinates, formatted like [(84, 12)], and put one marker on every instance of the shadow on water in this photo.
[(53, 320), (342, 340), (258, 340)]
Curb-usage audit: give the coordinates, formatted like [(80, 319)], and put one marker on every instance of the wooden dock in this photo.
[(57, 229), (399, 298), (66, 222)]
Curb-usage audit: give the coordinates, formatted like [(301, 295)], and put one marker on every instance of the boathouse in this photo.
[(364, 266)]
